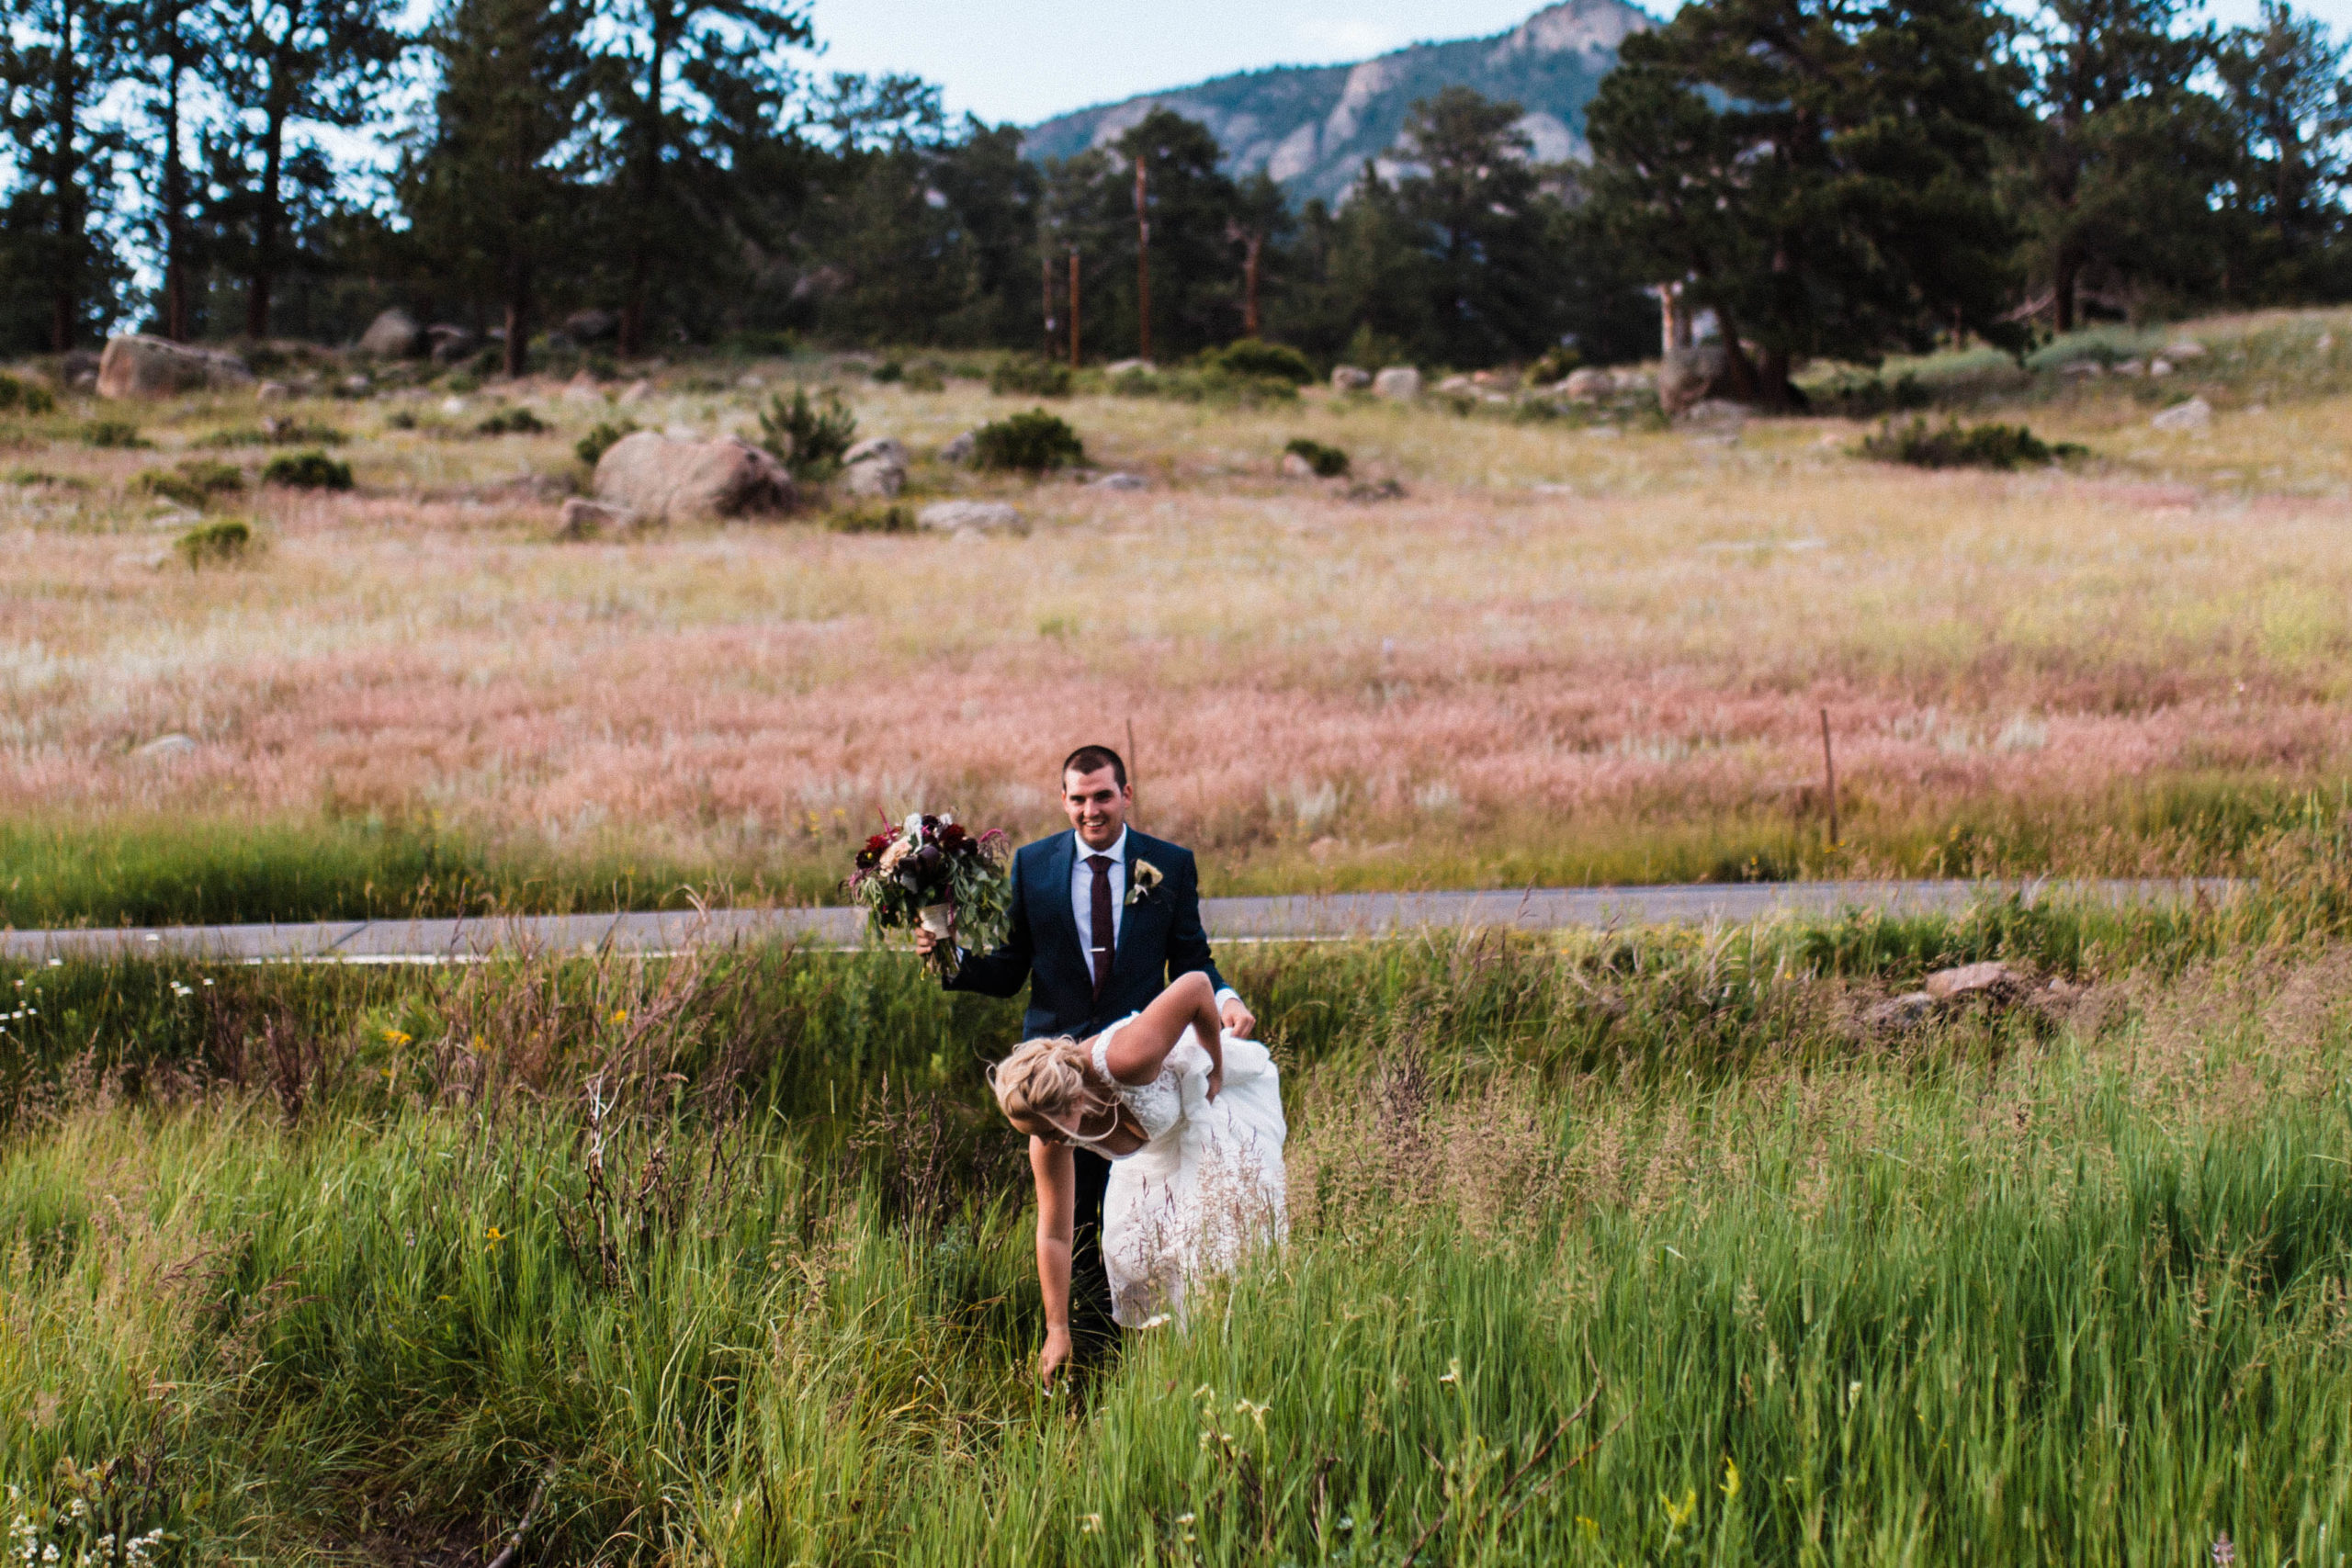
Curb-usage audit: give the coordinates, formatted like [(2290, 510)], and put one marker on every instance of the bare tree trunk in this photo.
[(517, 335), (1253, 246), (1143, 267), (175, 209), (263, 278), (2064, 274), (65, 298)]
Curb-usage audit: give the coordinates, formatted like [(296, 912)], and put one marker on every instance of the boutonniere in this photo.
[(1142, 877)]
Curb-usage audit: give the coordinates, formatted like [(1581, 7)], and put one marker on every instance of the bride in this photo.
[(1191, 1120)]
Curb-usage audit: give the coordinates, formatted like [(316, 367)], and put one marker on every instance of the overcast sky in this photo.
[(1026, 59)]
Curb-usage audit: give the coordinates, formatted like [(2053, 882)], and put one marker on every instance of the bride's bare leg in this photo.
[(1139, 1050)]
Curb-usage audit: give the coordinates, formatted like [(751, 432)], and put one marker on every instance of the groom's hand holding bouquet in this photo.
[(935, 876)]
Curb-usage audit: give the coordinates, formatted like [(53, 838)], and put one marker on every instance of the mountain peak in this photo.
[(1311, 127)]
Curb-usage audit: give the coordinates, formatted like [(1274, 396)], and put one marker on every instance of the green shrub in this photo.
[(116, 435), (1553, 366), (926, 376), (307, 470), (808, 440), (591, 448), (1255, 356), (889, 371), (25, 396), (1328, 462), (463, 382), (42, 477), (882, 519), (224, 542), (1215, 385), (192, 483), (1018, 376), (1977, 447), (1857, 397), (512, 422), (1032, 443), (280, 432)]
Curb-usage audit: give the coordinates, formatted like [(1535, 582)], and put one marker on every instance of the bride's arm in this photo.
[(1140, 1049), (1056, 1175)]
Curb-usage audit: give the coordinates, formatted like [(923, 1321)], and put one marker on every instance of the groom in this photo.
[(1102, 920)]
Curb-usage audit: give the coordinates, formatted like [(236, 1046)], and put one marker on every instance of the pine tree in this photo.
[(2290, 107), (1816, 173), (58, 60), (496, 192)]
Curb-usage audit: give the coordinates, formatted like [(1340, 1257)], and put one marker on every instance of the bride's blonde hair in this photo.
[(1043, 1080)]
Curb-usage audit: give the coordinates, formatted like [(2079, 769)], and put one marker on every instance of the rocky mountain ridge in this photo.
[(1312, 127)]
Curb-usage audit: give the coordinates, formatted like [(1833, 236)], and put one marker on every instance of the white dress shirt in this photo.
[(1081, 899)]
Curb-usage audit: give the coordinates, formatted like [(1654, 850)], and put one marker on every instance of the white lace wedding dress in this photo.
[(1206, 1189)]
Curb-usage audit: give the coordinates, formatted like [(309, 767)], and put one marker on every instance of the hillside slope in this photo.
[(1312, 127)]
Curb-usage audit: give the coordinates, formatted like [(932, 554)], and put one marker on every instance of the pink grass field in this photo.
[(1560, 656)]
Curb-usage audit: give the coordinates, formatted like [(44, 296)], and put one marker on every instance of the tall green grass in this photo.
[(1645, 1247)]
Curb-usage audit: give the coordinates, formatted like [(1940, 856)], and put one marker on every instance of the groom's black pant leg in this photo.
[(1091, 1328)]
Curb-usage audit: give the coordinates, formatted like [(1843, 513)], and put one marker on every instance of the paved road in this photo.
[(1295, 917)]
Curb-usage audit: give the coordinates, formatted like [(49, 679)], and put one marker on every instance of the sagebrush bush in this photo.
[(192, 483), (1255, 356), (224, 542), (114, 434), (878, 519), (512, 422), (25, 396), (1977, 447), (280, 433), (308, 470), (1018, 376), (1216, 384), (1328, 462), (1034, 443), (602, 438), (806, 439), (1554, 366)]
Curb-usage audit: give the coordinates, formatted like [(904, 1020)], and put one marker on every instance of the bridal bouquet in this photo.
[(931, 871)]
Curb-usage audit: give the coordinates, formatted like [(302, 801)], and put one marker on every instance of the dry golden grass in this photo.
[(1560, 655)]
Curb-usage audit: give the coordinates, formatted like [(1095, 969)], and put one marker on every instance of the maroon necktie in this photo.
[(1103, 930)]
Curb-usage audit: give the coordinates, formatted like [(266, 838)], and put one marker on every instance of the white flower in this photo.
[(914, 826)]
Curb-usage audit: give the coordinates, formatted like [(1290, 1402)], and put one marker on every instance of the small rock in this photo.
[(1376, 489), (356, 386), (590, 325), (2130, 367), (137, 365), (960, 449), (1349, 378), (885, 448), (172, 745), (2326, 341), (1123, 482), (874, 468), (2083, 368), (974, 517), (1605, 431), (586, 519), (1129, 366), (393, 335), (1401, 383), (1970, 980), (639, 391), (1692, 375), (1719, 415), (453, 406), (450, 343), (272, 392), (2193, 414), (749, 382), (1586, 386), (1897, 1012), (1296, 467), (2187, 348), (2159, 366), (1458, 386)]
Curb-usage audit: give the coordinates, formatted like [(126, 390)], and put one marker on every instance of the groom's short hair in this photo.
[(1094, 759)]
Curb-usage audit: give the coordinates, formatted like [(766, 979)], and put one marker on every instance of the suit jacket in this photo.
[(1160, 937)]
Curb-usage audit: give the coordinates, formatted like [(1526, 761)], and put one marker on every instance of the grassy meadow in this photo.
[(1584, 648), (1645, 1247)]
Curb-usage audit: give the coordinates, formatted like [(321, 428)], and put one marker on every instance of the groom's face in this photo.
[(1097, 804)]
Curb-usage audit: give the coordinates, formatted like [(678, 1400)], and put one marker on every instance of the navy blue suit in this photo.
[(1160, 937)]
